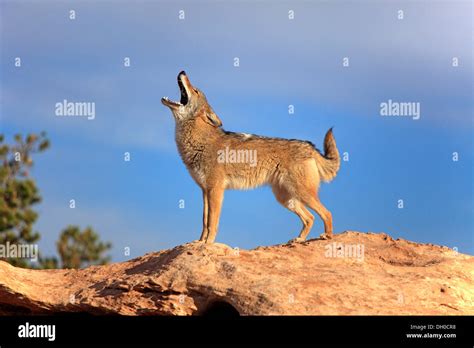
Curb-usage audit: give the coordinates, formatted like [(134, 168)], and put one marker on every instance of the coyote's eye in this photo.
[(195, 90)]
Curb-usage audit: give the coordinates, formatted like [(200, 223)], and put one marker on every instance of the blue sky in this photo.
[(136, 204)]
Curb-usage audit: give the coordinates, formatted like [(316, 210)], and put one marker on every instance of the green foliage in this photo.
[(48, 263), (18, 192), (79, 249), (18, 195)]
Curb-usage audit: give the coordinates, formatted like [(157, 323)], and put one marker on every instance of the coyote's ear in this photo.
[(212, 118)]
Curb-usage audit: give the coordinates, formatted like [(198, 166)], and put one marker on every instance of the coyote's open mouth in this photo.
[(184, 94)]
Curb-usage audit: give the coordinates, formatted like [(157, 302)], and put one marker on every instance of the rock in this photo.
[(352, 274)]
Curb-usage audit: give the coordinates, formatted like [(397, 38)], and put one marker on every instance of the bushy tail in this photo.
[(329, 162)]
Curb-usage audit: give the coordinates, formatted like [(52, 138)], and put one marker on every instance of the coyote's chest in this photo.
[(193, 155)]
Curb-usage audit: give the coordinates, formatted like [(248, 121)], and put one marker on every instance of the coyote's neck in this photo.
[(193, 139)]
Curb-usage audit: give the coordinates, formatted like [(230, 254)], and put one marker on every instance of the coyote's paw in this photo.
[(295, 240), (325, 236)]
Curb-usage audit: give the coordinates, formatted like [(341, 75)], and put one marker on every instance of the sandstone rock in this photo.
[(352, 274)]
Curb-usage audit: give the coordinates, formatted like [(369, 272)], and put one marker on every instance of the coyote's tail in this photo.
[(329, 162)]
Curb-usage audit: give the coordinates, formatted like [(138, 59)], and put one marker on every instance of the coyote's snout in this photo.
[(220, 160)]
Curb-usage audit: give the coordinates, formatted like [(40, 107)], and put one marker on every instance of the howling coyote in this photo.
[(220, 160)]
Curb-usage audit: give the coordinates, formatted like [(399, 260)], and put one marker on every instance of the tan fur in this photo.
[(293, 168)]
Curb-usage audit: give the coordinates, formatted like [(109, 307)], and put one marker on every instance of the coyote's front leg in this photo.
[(215, 197), (205, 213)]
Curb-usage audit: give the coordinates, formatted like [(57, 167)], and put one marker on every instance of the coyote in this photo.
[(293, 168)]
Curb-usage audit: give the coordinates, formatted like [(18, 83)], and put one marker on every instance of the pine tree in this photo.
[(80, 249), (18, 195), (18, 192)]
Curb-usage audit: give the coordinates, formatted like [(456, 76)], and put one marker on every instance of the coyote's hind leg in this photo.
[(294, 205), (323, 213)]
